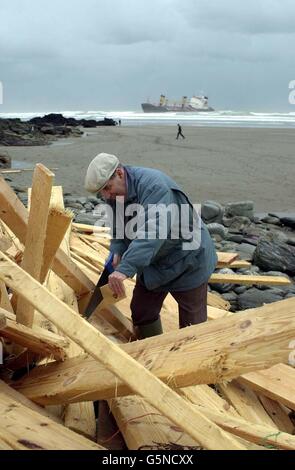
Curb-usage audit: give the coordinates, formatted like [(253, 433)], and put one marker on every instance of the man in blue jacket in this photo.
[(178, 260)]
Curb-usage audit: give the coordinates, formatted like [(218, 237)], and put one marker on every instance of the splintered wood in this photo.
[(228, 383)]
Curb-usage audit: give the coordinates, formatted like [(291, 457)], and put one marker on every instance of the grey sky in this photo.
[(112, 55)]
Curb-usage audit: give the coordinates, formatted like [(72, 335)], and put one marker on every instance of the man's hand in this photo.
[(116, 260), (116, 283)]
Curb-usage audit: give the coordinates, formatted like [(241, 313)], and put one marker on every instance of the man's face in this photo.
[(116, 186)]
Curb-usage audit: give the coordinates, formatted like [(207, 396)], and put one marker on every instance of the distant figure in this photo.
[(179, 132), (119, 122)]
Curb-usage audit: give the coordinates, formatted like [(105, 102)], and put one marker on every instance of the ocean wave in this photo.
[(227, 118)]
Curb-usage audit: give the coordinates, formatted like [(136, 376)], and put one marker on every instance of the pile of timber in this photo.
[(225, 384)]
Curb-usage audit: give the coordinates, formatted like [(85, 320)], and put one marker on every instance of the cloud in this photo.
[(115, 54), (251, 17)]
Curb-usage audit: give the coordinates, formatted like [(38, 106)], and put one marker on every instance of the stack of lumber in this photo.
[(225, 384)]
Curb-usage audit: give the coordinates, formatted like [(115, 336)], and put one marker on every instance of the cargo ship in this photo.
[(195, 104)]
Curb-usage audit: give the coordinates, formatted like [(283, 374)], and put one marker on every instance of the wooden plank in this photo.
[(248, 280), (86, 263), (57, 225), (257, 433), (71, 274), (10, 392), (90, 228), (215, 300), (79, 417), (35, 237), (15, 216), (277, 383), (90, 274), (246, 403), (4, 300), (204, 395), (121, 323), (37, 340), (103, 241), (24, 429), (278, 414), (144, 428), (136, 376), (239, 263), (224, 259), (209, 353), (217, 313)]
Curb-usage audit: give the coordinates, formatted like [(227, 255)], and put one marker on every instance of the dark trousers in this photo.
[(146, 305), (180, 133)]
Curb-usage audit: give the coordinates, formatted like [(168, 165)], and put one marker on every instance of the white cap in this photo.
[(99, 171)]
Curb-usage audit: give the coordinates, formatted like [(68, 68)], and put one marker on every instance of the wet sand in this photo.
[(222, 164)]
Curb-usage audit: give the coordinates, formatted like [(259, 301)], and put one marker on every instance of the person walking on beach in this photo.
[(162, 263), (179, 132)]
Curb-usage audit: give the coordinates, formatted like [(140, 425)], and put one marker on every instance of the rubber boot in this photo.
[(152, 329)]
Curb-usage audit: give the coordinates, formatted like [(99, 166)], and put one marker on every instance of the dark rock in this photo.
[(68, 200), (290, 295), (88, 219), (242, 208), (81, 200), (107, 122), (88, 123), (217, 231), (222, 288), (75, 205), (276, 273), (251, 241), (275, 256), (93, 200), (5, 161), (234, 237), (254, 297), (15, 132), (288, 221), (230, 296), (237, 223), (246, 251), (271, 220), (241, 289), (55, 119), (211, 211), (88, 206)]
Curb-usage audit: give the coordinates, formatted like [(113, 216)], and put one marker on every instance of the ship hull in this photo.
[(152, 108)]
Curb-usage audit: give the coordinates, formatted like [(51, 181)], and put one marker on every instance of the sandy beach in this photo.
[(222, 164)]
